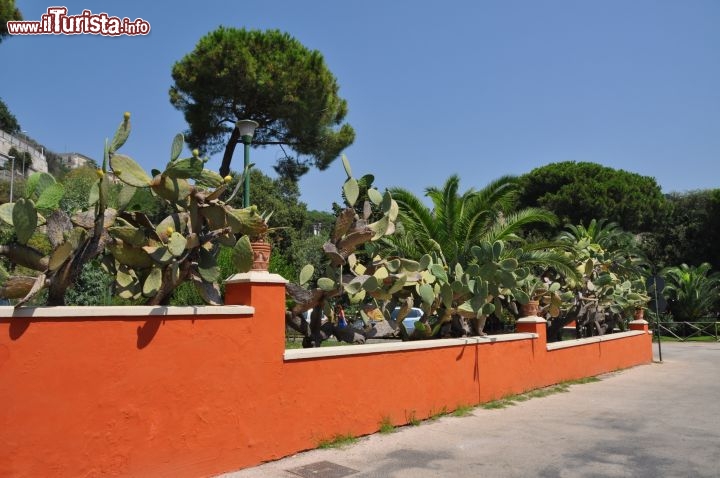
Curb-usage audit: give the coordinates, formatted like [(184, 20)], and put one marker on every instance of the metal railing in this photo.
[(684, 331)]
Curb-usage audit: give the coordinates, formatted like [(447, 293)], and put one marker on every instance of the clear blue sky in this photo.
[(478, 88)]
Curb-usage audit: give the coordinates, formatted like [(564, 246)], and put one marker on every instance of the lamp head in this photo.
[(246, 128)]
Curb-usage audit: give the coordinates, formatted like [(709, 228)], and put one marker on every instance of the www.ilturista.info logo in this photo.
[(57, 22)]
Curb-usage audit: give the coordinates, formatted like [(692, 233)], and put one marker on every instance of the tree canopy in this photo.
[(690, 231), (8, 13), (8, 121), (265, 76), (579, 192)]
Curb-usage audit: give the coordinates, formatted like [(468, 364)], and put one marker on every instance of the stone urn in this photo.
[(530, 309), (639, 314), (261, 255)]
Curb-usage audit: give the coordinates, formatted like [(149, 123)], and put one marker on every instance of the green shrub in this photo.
[(93, 287)]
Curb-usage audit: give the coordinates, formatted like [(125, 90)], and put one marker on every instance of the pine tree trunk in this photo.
[(229, 151)]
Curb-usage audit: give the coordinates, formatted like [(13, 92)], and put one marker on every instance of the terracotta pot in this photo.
[(639, 314), (261, 255), (530, 309)]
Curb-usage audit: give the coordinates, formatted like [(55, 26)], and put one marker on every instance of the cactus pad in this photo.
[(37, 183), (242, 254), (24, 218), (50, 197), (60, 255), (209, 179), (121, 135), (326, 284), (351, 191), (177, 147), (153, 282), (306, 273), (185, 168), (177, 244), (128, 171)]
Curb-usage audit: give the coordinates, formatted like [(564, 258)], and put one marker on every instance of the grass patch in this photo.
[(412, 419), (462, 411), (386, 426), (502, 403), (544, 392), (338, 441), (435, 415), (581, 381), (538, 393)]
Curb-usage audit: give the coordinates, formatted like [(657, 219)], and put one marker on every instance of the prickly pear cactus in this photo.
[(395, 282), (147, 260), (345, 274), (75, 240), (448, 297), (151, 260)]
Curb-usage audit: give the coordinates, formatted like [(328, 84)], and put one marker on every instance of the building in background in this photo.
[(39, 156), (23, 143), (76, 160)]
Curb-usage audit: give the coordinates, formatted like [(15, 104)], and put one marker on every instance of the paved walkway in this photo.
[(658, 420)]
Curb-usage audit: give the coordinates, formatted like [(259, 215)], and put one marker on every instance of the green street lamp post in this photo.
[(246, 128)]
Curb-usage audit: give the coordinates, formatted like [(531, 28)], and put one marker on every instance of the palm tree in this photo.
[(457, 222), (478, 229), (692, 293)]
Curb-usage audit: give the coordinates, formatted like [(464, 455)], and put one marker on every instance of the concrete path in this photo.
[(658, 420)]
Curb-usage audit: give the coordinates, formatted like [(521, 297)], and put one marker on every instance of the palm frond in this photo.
[(561, 263), (501, 193), (513, 223)]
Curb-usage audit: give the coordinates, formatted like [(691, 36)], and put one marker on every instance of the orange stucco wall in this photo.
[(201, 395)]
